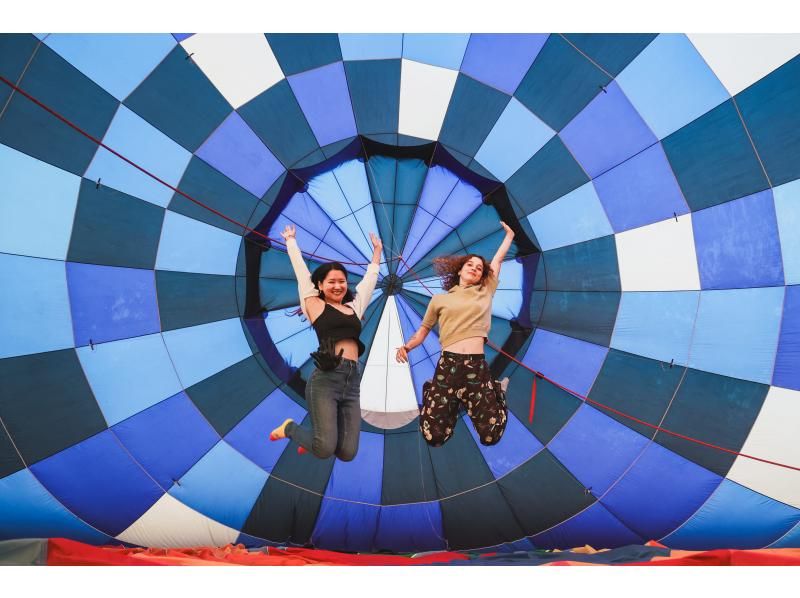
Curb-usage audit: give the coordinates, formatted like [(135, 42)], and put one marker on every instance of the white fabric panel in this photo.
[(425, 92), (171, 524), (773, 437), (241, 66), (658, 257), (387, 390), (741, 59)]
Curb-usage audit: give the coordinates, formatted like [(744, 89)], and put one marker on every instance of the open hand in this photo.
[(507, 228), (377, 247), (402, 355), (289, 232)]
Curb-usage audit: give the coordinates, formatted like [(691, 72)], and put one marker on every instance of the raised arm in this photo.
[(305, 288), (366, 287), (498, 258)]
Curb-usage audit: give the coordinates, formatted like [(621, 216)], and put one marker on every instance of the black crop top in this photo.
[(335, 325)]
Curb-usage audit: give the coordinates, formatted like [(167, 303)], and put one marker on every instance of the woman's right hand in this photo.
[(402, 355), (289, 232)]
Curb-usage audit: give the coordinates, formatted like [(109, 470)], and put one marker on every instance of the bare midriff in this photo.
[(471, 345), (350, 348)]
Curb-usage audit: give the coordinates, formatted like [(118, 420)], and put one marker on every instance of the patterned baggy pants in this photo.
[(462, 380)]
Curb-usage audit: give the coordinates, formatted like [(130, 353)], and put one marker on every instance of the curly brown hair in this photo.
[(448, 267)]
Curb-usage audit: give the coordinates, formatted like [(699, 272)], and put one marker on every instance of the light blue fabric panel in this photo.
[(737, 333), (189, 349), (439, 49), (35, 197), (147, 147), (34, 306), (657, 325), (787, 211), (189, 245), (130, 375), (371, 46)]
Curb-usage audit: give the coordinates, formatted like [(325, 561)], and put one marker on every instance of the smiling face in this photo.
[(334, 286), (472, 271)]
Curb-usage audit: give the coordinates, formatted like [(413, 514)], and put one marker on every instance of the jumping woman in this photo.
[(332, 390), (462, 376)]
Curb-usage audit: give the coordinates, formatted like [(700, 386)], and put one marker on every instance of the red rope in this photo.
[(153, 176)]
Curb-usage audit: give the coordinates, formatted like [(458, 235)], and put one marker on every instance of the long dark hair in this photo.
[(448, 267), (318, 275)]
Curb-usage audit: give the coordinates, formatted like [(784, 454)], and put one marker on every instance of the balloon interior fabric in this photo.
[(647, 318)]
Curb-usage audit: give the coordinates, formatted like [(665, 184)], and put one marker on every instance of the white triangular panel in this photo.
[(741, 59), (425, 92), (171, 524), (387, 390)]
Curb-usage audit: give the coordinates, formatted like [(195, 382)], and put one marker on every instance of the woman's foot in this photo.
[(279, 433)]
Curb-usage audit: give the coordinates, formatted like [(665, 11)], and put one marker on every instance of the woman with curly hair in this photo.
[(333, 389), (462, 376)]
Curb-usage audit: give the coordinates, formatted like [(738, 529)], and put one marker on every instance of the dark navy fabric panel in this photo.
[(551, 173), (473, 111), (298, 52), (113, 491), (595, 526), (588, 266), (612, 51), (410, 528), (375, 93), (458, 464), (10, 461), (589, 316), (180, 101), (15, 51), (713, 159), (114, 229), (207, 185), (58, 85), (277, 119), (714, 409), (58, 409), (407, 469), (227, 397), (769, 109), (187, 299)]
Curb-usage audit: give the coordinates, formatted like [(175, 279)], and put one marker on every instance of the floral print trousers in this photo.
[(462, 380)]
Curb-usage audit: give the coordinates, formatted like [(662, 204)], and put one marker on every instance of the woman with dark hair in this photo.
[(332, 390), (462, 376)]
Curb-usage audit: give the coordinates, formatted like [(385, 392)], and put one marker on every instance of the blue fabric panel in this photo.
[(576, 217), (577, 444), (371, 46), (188, 348), (410, 528), (517, 446), (250, 436), (113, 491), (439, 49), (659, 492), (787, 212), (769, 107), (292, 335), (180, 101), (595, 526), (167, 439), (16, 50), (324, 99), (735, 517), (640, 191), (589, 316), (588, 266), (670, 84), (212, 251), (130, 375), (375, 93), (229, 503), (35, 196), (473, 110), (57, 84), (347, 526), (666, 337), (182, 36), (34, 306), (607, 132), (737, 333), (517, 135), (571, 362), (27, 510), (236, 151), (501, 60), (613, 51), (787, 362), (118, 62), (713, 159), (737, 244), (790, 540), (277, 119), (297, 52), (111, 303)]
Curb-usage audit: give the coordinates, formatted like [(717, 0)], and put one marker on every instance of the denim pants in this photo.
[(335, 412)]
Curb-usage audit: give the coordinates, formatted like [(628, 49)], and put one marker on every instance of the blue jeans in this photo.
[(335, 410)]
